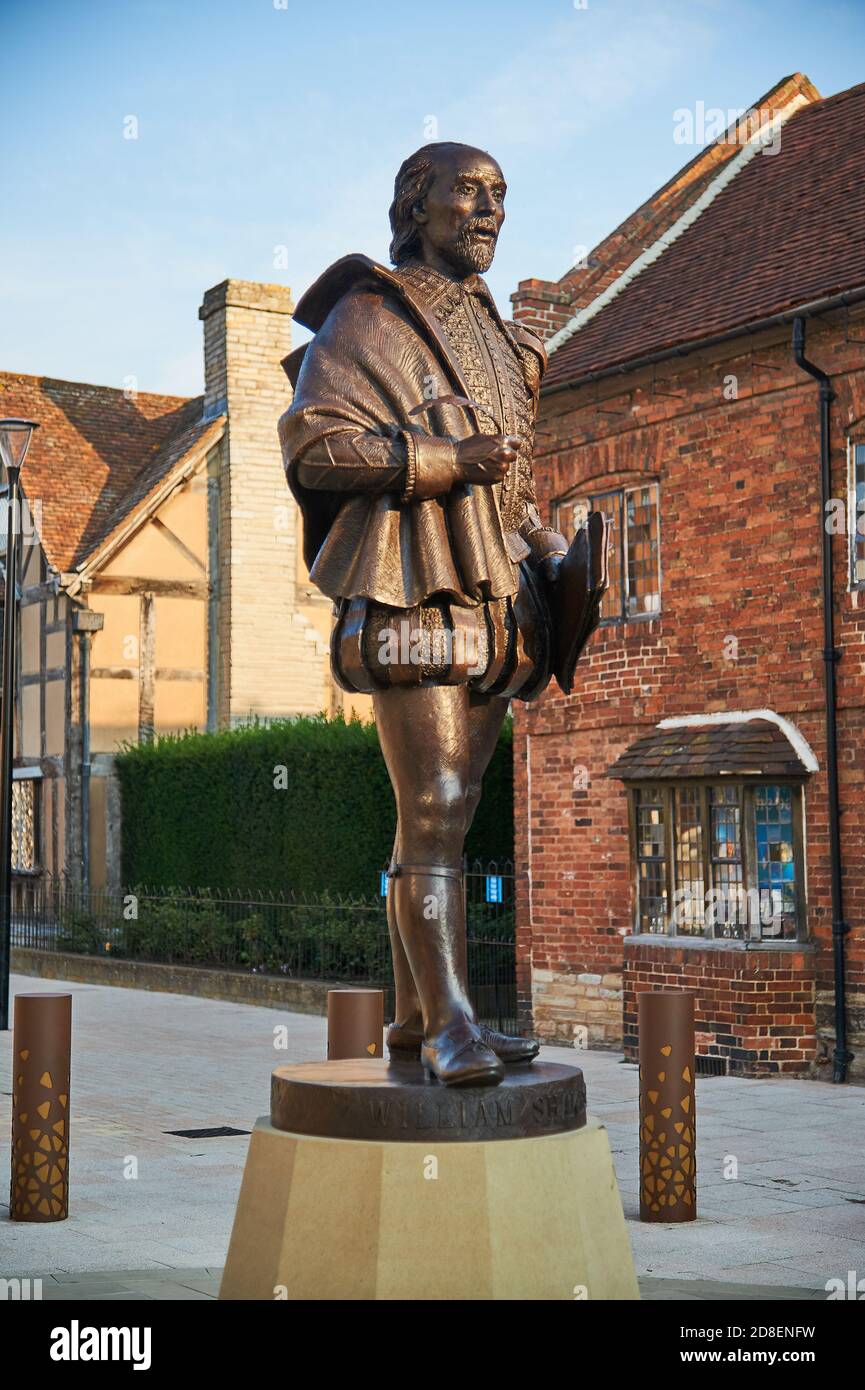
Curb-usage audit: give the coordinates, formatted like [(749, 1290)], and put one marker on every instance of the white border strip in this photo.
[(802, 748), (681, 225)]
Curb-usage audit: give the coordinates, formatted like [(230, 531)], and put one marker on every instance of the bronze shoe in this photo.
[(458, 1057), (508, 1049)]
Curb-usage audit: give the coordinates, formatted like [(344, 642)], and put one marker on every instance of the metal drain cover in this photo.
[(220, 1132)]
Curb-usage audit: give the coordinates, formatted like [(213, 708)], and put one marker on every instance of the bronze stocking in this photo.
[(405, 1035), (424, 734)]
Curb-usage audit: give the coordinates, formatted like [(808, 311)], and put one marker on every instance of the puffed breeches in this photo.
[(498, 647)]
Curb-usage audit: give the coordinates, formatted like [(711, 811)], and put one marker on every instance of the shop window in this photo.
[(719, 860)]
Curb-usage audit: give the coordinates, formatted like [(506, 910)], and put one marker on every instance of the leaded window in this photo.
[(651, 855), (776, 865), (25, 793), (688, 853), (719, 859), (635, 560)]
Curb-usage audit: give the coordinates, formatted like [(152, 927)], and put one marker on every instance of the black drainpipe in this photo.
[(841, 1056)]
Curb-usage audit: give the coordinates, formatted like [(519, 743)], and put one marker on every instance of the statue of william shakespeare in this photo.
[(409, 450)]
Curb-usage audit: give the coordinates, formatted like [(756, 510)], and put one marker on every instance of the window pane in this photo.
[(635, 586), (688, 907), (858, 549), (610, 503), (728, 910), (651, 872), (571, 515), (776, 868), (643, 581)]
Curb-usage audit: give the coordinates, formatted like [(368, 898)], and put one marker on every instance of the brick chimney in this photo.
[(270, 661)]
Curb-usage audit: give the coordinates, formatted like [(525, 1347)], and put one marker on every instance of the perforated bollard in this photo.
[(668, 1146), (355, 1023), (41, 1055)]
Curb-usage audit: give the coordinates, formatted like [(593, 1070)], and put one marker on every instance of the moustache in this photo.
[(478, 225)]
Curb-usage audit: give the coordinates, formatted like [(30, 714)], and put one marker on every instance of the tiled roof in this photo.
[(732, 748), (786, 230), (97, 455)]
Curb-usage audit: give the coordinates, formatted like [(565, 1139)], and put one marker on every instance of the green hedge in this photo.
[(206, 810), (329, 938)]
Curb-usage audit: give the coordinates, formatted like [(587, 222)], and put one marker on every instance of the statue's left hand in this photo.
[(549, 567)]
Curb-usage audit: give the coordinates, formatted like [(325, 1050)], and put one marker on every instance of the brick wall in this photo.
[(754, 1009), (272, 661), (740, 556)]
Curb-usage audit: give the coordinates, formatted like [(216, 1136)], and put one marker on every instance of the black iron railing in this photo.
[(309, 936)]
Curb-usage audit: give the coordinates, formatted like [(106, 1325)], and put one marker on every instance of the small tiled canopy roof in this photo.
[(756, 747)]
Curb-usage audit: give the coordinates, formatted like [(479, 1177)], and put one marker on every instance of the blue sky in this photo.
[(280, 123)]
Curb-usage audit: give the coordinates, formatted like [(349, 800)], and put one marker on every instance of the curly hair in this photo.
[(410, 188)]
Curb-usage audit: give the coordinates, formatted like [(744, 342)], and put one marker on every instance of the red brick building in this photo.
[(675, 815)]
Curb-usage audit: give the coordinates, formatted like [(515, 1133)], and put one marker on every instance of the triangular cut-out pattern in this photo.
[(40, 1167), (667, 1169)]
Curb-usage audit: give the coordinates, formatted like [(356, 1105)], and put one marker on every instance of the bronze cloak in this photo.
[(378, 354)]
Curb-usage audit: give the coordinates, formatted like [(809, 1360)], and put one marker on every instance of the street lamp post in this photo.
[(14, 442)]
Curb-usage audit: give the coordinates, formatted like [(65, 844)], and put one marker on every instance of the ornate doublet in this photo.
[(493, 367), (405, 364)]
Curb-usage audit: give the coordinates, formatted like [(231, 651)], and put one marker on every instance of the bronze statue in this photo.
[(408, 447)]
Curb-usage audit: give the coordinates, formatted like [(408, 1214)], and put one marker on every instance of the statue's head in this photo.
[(448, 208)]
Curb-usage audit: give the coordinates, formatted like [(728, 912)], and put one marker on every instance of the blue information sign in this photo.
[(494, 888)]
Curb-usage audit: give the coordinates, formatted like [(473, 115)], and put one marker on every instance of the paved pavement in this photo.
[(173, 1285), (151, 1211)]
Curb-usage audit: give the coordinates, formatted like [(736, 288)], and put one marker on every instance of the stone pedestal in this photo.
[(505, 1192)]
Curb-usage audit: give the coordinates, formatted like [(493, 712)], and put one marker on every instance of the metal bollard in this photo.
[(668, 1145), (355, 1023), (41, 1052)]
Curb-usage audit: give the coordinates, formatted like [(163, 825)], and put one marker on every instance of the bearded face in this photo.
[(475, 246), (462, 212)]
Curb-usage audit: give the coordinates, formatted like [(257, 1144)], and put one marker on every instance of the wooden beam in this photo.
[(178, 544), (38, 593), (158, 588), (50, 673), (147, 663), (130, 673), (46, 767)]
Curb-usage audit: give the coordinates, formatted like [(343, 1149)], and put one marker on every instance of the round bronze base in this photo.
[(360, 1098)]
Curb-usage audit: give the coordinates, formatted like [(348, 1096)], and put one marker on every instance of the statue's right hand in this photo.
[(485, 458)]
